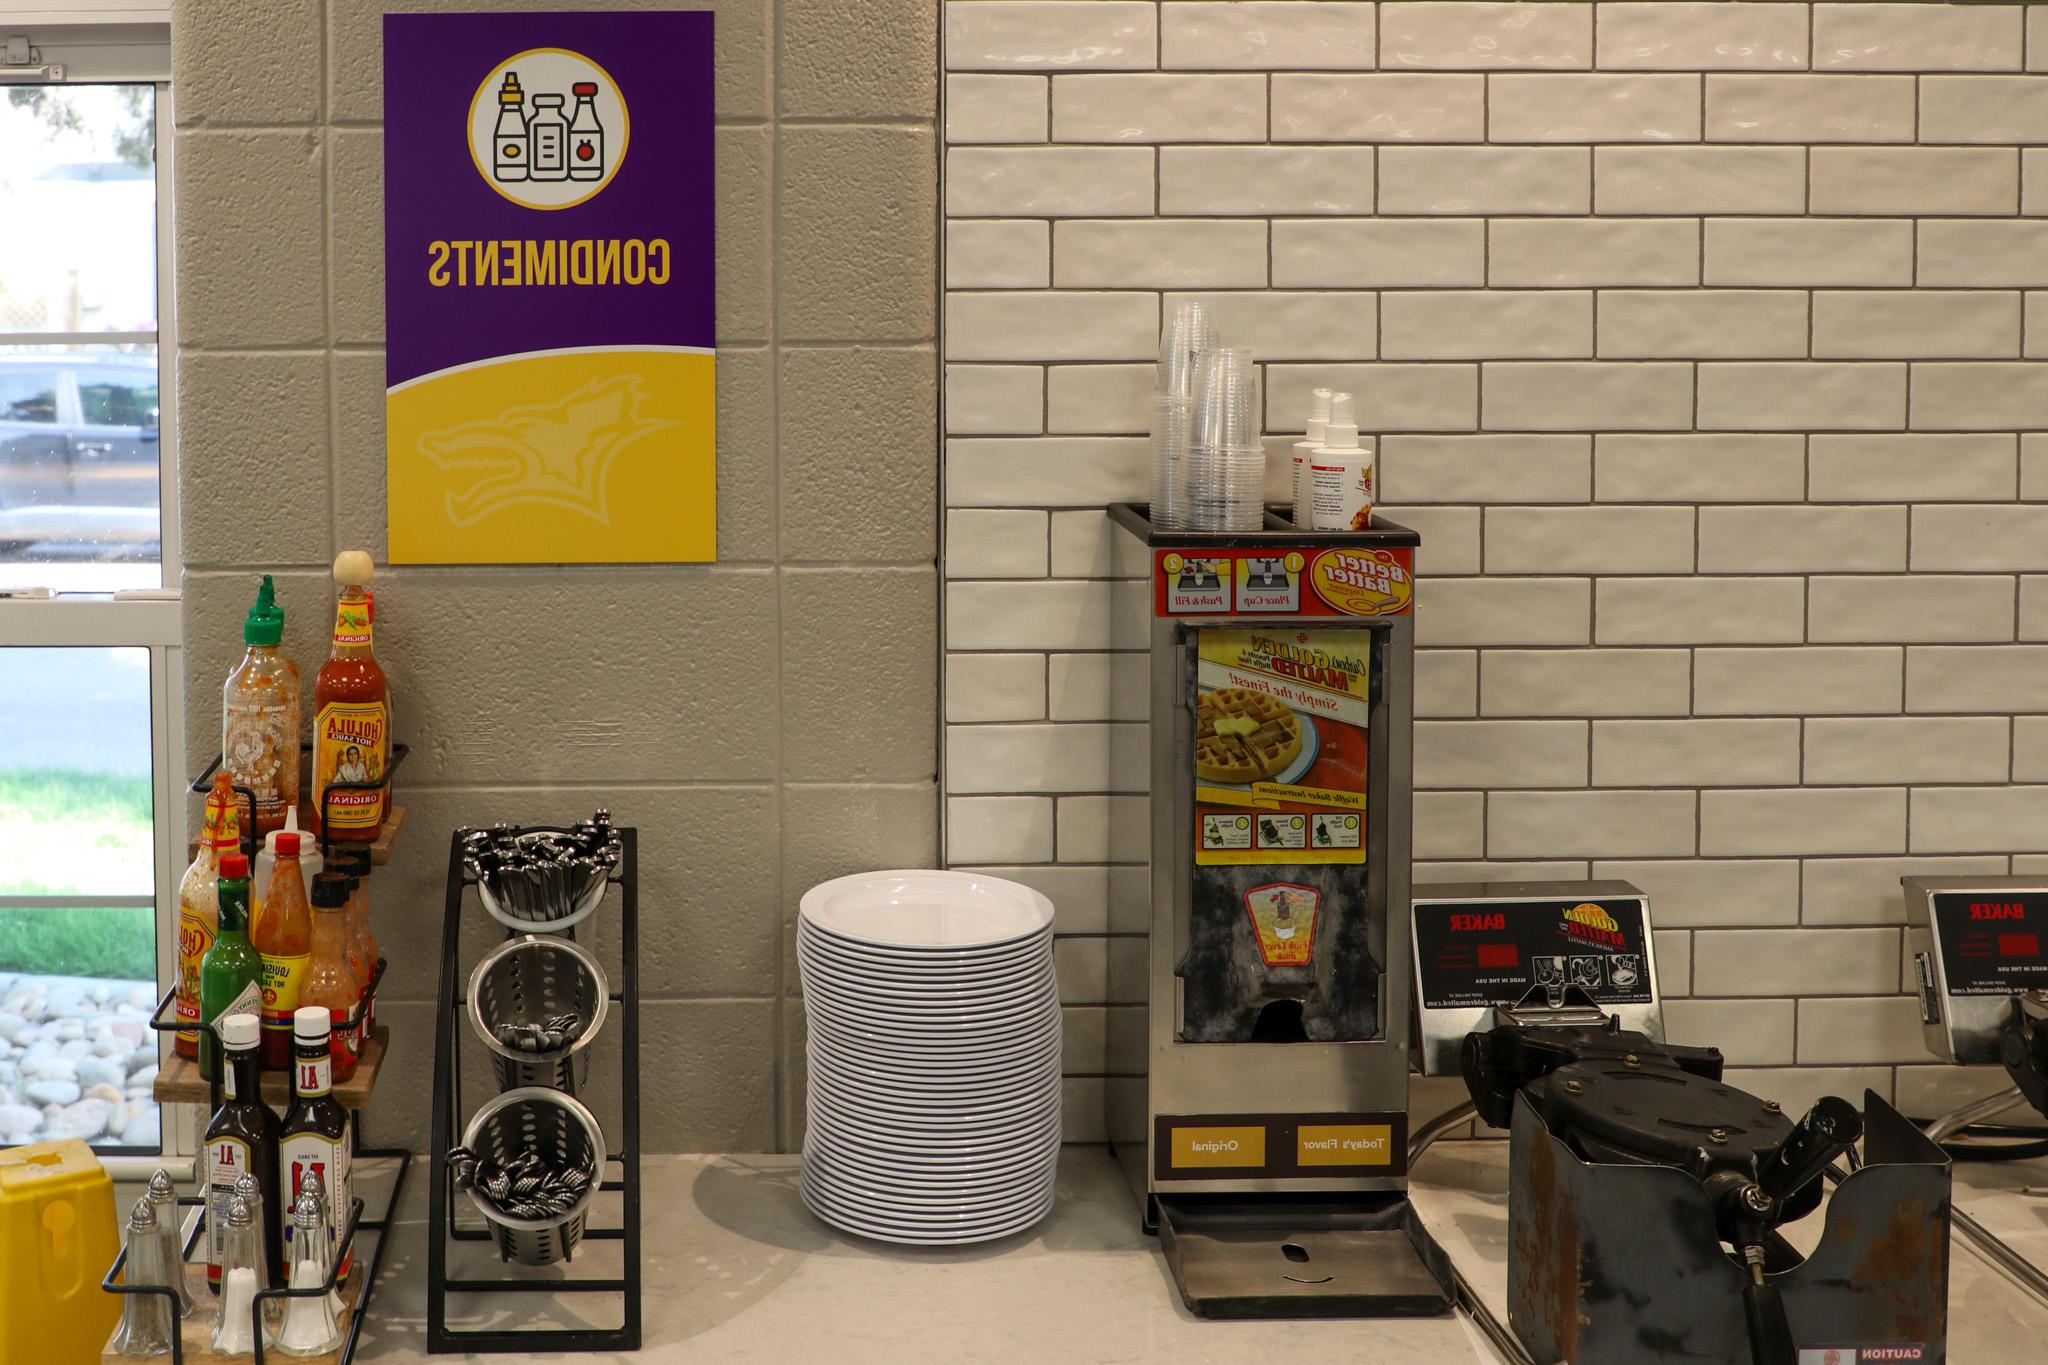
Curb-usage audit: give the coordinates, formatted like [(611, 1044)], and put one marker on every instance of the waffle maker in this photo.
[(1646, 1195)]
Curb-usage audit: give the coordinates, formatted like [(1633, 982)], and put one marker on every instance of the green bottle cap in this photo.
[(265, 623)]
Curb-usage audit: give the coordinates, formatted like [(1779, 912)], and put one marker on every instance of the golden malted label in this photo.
[(1593, 917), (1219, 1147), (1363, 582), (1344, 1144)]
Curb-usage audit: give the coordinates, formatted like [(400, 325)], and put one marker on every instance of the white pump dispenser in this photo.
[(1340, 473), (1318, 419)]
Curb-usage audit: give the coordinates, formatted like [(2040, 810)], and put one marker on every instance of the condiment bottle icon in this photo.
[(547, 139), (586, 135), (508, 142)]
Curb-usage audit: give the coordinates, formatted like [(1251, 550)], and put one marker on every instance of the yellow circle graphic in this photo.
[(548, 128), (1294, 561), (1171, 563), (1351, 822), (1244, 822), (1295, 823)]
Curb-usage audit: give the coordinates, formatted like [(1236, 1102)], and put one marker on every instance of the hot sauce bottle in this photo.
[(199, 903), (231, 973), (351, 713), (315, 1136), (282, 932), (241, 1139), (331, 980)]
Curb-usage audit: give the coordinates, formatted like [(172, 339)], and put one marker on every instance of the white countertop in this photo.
[(738, 1271)]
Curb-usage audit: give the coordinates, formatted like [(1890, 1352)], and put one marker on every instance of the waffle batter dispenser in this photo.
[(1265, 1132)]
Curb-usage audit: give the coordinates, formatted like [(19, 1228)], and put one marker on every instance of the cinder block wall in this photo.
[(766, 722), (1701, 344)]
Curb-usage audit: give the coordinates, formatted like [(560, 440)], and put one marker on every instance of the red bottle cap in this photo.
[(583, 88), (234, 867), (287, 845)]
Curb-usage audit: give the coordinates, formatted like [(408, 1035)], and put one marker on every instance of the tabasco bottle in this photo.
[(283, 933), (331, 981), (316, 1136), (231, 973), (199, 903), (351, 713), (243, 1137)]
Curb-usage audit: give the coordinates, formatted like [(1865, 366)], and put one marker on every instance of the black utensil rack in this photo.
[(450, 1114)]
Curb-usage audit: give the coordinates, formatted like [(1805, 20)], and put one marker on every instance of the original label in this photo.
[(226, 1159), (1195, 1147), (1283, 916), (310, 1153), (350, 741), (1993, 942), (1209, 1148), (1494, 952), (282, 978), (1284, 581), (352, 623), (1282, 719), (1344, 1144)]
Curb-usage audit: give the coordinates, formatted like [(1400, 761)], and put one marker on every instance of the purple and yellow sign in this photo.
[(549, 274)]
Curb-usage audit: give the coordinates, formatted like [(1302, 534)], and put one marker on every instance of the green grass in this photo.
[(73, 833), (119, 942)]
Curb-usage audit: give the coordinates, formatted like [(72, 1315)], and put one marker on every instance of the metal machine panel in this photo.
[(1976, 942), (1480, 947)]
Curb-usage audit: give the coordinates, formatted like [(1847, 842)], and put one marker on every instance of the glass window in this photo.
[(80, 456), (78, 967)]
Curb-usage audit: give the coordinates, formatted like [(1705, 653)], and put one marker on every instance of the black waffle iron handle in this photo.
[(1830, 1128)]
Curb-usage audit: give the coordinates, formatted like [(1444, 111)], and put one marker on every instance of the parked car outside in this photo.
[(78, 449)]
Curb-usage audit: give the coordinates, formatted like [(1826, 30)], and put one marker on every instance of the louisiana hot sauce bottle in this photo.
[(351, 714), (315, 1137)]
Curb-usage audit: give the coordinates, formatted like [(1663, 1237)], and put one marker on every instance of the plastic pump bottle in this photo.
[(1318, 421), (1340, 473)]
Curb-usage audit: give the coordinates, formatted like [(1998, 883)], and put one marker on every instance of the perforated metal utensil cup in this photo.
[(528, 982), (561, 1131)]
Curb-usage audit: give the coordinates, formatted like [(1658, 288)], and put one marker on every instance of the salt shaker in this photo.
[(242, 1258), (311, 1327)]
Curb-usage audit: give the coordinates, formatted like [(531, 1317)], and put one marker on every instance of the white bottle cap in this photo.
[(1318, 414), (291, 826), (241, 1030), (311, 1022), (354, 566), (1342, 431)]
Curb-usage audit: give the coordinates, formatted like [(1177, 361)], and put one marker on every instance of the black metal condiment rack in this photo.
[(449, 1111), (251, 841), (357, 1222)]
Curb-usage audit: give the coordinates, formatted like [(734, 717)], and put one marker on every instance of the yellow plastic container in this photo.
[(57, 1238)]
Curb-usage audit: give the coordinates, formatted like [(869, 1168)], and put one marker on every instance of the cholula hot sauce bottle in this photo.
[(351, 714)]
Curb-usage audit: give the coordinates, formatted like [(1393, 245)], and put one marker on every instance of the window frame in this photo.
[(149, 618)]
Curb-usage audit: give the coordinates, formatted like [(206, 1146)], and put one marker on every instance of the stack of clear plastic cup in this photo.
[(1226, 461), (1189, 334)]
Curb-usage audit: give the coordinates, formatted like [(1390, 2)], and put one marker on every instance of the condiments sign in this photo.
[(549, 361)]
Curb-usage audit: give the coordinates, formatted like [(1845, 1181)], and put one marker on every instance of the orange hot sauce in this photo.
[(351, 713)]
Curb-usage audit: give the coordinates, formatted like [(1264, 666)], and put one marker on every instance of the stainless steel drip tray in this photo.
[(1303, 1256)]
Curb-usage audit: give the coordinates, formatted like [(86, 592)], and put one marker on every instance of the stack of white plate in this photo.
[(934, 1055)]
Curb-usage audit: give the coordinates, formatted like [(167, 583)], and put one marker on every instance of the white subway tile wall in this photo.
[(1698, 341)]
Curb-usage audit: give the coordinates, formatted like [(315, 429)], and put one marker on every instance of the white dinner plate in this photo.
[(928, 961), (1005, 1017), (935, 1144), (898, 1236), (968, 1202), (872, 976), (926, 909), (929, 1220), (925, 1175), (891, 1050)]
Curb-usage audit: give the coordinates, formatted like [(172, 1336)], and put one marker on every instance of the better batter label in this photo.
[(1281, 728)]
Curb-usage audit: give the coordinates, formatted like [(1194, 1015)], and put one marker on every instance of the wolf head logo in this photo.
[(557, 454)]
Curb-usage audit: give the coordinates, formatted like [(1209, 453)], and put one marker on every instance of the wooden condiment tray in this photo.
[(198, 1328), (380, 847), (179, 1081)]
